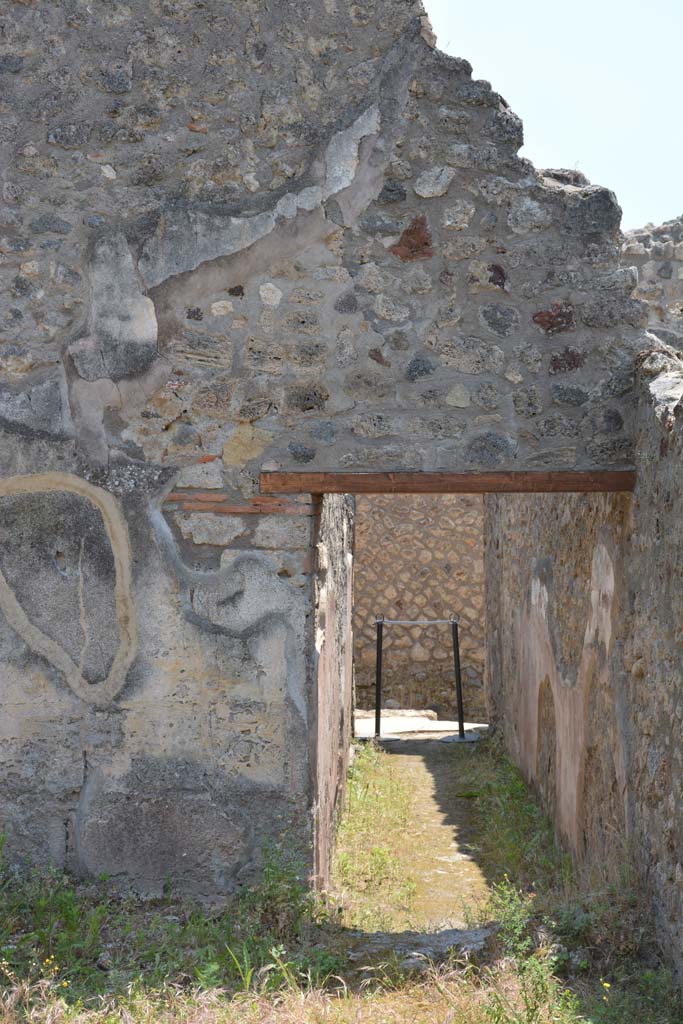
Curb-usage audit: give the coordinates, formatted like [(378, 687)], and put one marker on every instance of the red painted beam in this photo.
[(496, 482)]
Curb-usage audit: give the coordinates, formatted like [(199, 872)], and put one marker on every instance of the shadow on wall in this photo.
[(420, 557)]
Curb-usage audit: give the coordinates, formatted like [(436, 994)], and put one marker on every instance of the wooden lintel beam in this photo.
[(497, 482)]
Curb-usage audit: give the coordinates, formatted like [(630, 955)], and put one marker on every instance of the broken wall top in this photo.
[(292, 236)]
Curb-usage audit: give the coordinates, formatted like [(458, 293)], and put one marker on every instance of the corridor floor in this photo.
[(442, 840)]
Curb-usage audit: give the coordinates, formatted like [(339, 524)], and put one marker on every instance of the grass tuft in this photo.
[(569, 948)]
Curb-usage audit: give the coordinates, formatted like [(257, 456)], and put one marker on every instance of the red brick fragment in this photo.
[(566, 361), (560, 317), (376, 354), (416, 241)]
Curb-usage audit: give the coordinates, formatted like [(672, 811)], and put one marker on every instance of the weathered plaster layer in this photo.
[(334, 671), (554, 566)]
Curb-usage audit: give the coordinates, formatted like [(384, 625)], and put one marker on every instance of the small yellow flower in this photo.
[(65, 984)]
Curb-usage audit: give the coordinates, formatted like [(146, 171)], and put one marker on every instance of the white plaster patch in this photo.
[(270, 294), (539, 597), (599, 627), (207, 475), (667, 391), (207, 528), (341, 156), (167, 252), (222, 308)]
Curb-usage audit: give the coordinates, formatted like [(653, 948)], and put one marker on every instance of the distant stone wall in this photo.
[(585, 656), (657, 255), (420, 556)]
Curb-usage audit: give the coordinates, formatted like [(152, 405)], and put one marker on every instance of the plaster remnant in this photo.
[(186, 238), (206, 528), (102, 693), (122, 339), (207, 475)]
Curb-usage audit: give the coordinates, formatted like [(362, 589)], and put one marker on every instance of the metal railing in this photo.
[(380, 623)]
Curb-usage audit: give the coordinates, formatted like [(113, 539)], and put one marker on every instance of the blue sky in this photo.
[(597, 84)]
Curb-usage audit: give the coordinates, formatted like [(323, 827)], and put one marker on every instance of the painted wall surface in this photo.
[(237, 237), (420, 557), (554, 565), (586, 653)]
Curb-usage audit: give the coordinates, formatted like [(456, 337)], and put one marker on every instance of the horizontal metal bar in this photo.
[(418, 622)]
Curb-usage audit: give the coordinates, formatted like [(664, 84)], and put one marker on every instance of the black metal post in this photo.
[(458, 678), (378, 678)]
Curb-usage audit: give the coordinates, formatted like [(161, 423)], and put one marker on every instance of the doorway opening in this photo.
[(525, 633), (419, 566), (427, 827)]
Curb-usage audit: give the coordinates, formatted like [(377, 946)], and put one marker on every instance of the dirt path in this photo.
[(439, 850), (435, 854)]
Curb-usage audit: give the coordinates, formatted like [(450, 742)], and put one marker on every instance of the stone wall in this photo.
[(420, 557), (657, 254), (234, 238), (247, 242), (585, 660), (653, 652)]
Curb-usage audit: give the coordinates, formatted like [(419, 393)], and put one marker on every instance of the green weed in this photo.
[(569, 947), (374, 883)]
